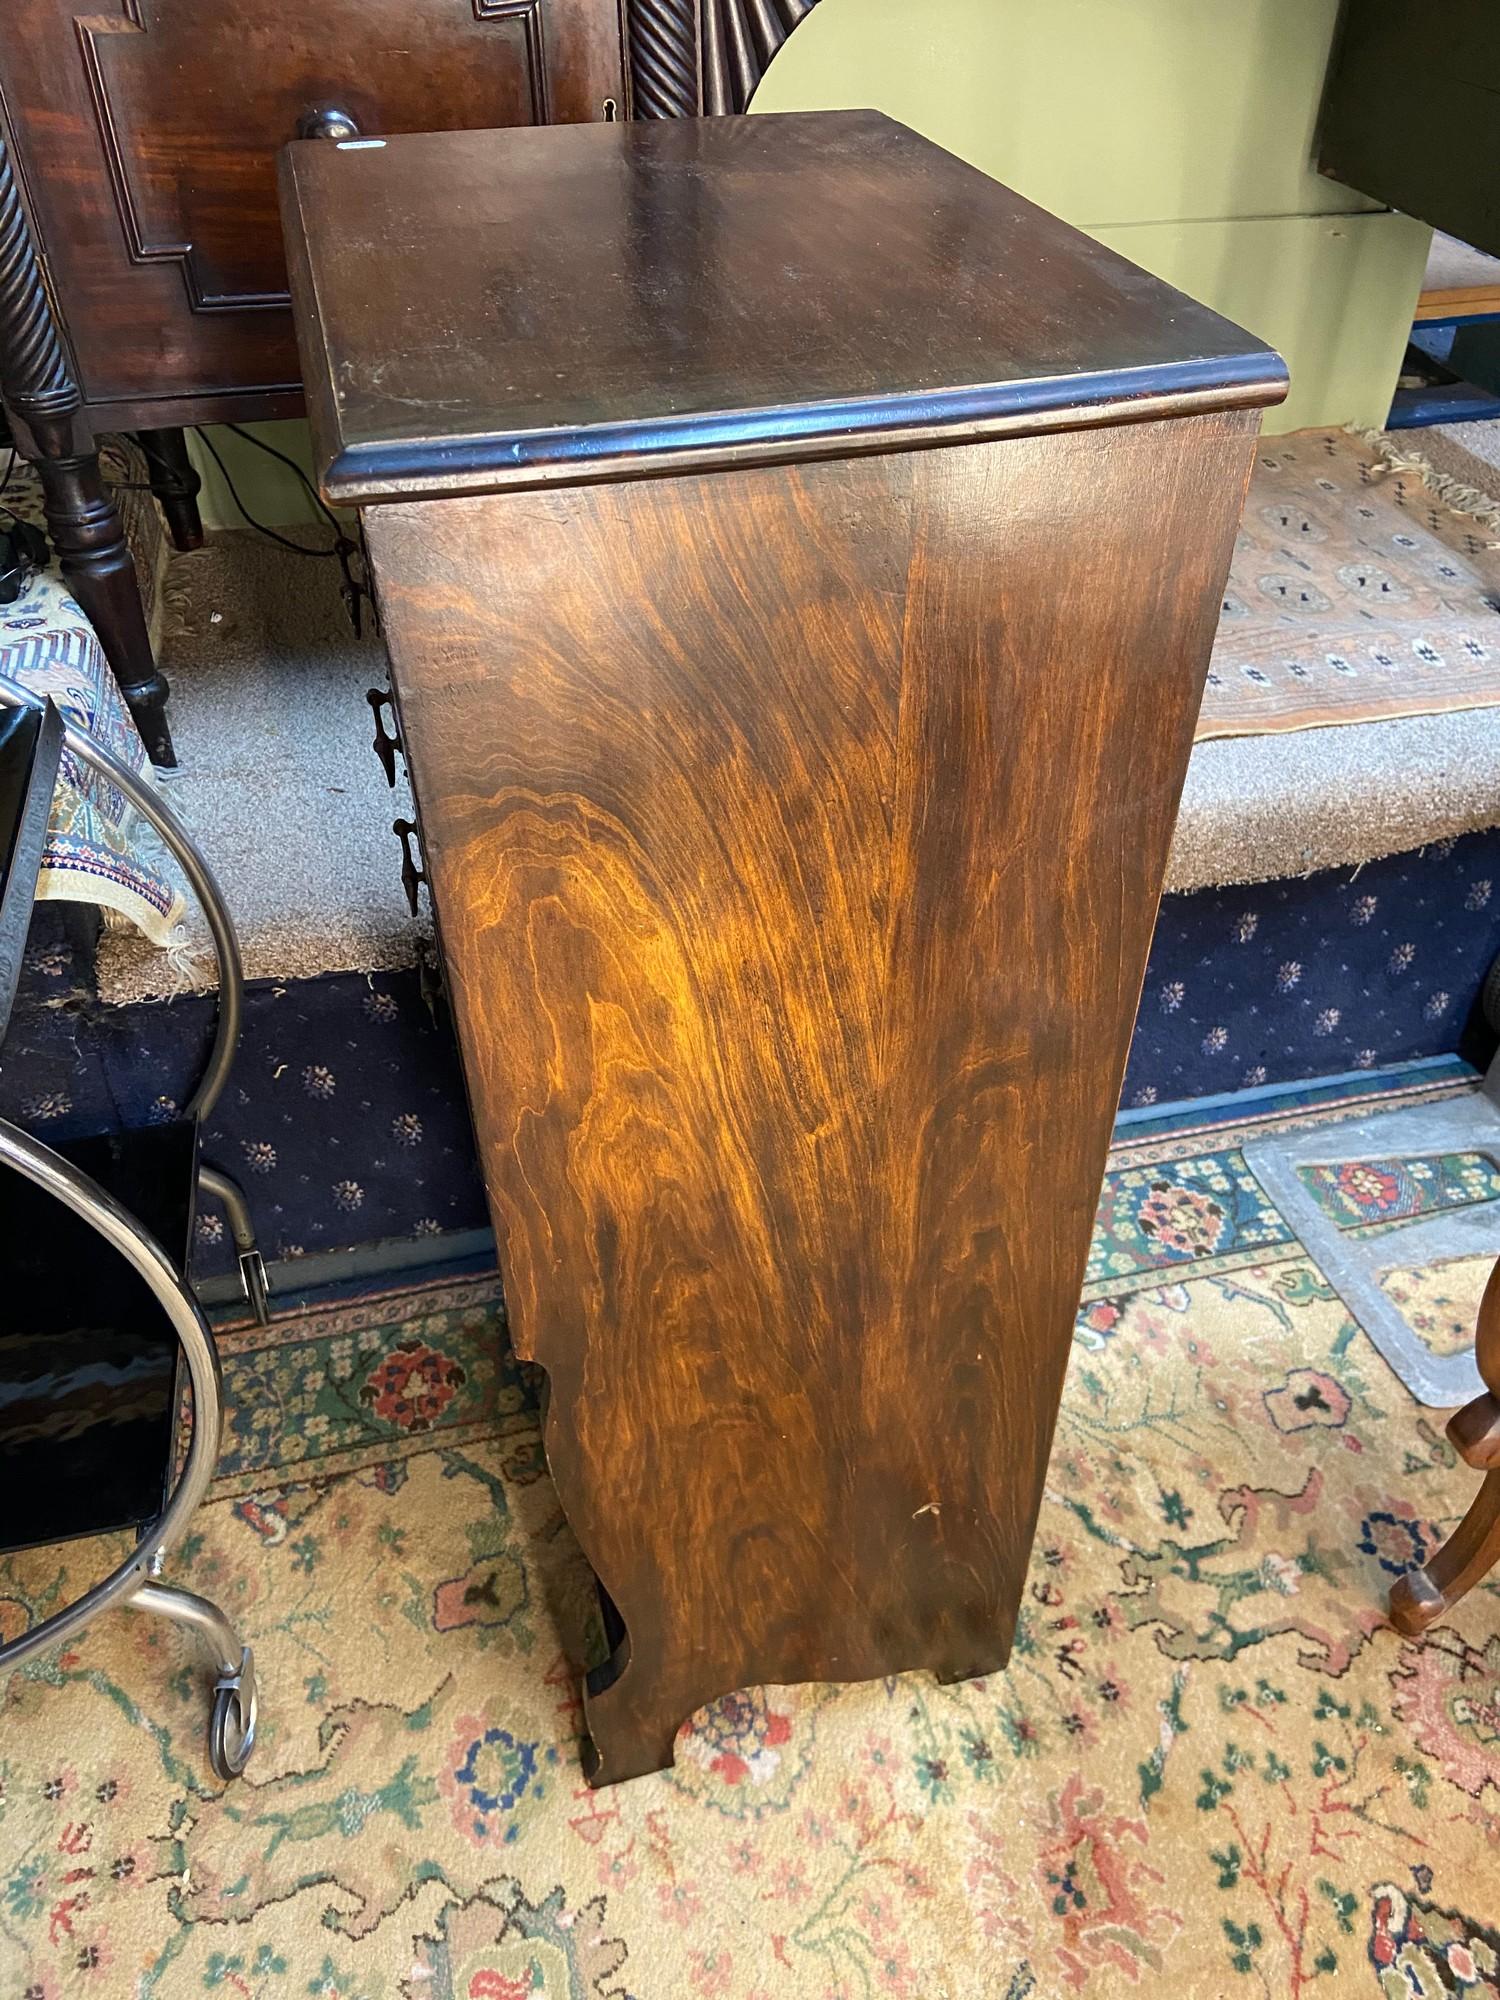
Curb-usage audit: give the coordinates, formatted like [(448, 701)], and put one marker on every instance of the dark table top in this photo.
[(480, 310)]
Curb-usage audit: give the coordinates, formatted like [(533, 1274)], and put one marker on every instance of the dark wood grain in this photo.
[(149, 131), (598, 301), (665, 58), (703, 57), (739, 38), (795, 777), (175, 485), (796, 836)]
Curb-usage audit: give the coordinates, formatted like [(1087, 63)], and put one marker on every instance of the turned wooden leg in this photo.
[(44, 406), (175, 485), (98, 568), (1424, 1595)]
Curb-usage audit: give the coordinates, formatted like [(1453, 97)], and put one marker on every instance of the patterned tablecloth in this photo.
[(98, 850)]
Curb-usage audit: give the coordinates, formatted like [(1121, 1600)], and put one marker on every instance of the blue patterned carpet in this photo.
[(345, 1118), (1349, 969)]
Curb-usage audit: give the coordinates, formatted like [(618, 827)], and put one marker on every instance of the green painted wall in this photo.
[(275, 496), (1178, 131)]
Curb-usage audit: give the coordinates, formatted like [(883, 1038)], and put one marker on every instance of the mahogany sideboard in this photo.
[(799, 558), (142, 281), (146, 133)]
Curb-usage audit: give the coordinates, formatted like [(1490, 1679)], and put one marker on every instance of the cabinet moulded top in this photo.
[(487, 310)]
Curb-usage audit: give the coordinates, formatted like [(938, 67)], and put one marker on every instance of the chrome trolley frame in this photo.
[(135, 1582)]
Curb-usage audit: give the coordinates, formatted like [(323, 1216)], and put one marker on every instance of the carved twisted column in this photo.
[(664, 58), (45, 407), (692, 56)]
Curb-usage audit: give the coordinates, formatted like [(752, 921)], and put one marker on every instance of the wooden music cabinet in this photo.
[(799, 558)]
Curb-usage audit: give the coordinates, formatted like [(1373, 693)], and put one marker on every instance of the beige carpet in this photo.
[(278, 781), (1455, 266), (1256, 808), (1467, 453), (280, 784)]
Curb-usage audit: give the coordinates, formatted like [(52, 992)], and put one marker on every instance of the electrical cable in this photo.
[(282, 541), (292, 466), (354, 592)]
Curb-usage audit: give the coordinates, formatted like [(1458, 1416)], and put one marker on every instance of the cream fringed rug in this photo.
[(1466, 454), (1364, 585), (1211, 1768)]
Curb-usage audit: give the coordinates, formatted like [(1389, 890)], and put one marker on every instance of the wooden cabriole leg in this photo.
[(1424, 1595), (45, 408), (175, 485)]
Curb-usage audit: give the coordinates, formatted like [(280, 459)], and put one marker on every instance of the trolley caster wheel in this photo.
[(231, 1723)]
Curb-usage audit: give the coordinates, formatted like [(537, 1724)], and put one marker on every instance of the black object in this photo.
[(1438, 157), (412, 876), (88, 1362), (23, 551), (387, 742), (175, 485), (97, 1324)]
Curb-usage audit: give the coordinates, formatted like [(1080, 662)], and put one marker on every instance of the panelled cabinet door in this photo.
[(148, 132)]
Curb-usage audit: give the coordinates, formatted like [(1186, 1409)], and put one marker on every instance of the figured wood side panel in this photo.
[(796, 837), (1064, 596), (656, 773)]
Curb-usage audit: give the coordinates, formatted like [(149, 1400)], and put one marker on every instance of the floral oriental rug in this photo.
[(1211, 1767)]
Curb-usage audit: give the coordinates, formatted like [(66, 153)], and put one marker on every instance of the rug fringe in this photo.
[(189, 962), (1471, 502)]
